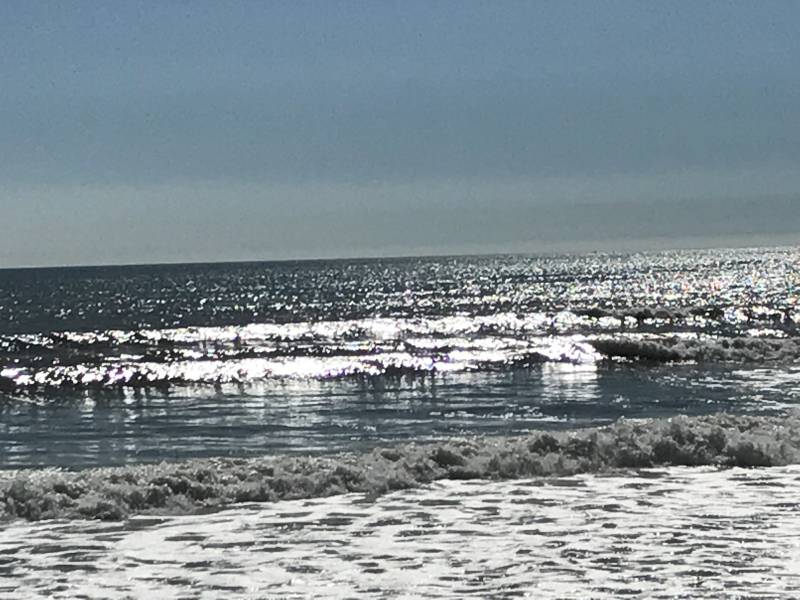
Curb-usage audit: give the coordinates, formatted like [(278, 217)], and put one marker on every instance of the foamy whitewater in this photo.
[(554, 426)]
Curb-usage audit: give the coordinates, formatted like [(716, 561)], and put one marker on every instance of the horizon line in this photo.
[(621, 249)]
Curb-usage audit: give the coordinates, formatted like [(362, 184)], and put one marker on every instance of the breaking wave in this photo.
[(378, 347), (742, 349), (206, 484)]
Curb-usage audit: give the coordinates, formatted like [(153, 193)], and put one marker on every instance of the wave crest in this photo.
[(700, 349), (202, 484)]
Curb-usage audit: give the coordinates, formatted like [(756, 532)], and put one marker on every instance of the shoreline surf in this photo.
[(197, 485)]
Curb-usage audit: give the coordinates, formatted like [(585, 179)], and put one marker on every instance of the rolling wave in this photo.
[(717, 349), (192, 486), (381, 347)]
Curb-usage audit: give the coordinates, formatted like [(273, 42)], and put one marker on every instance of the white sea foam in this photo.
[(660, 533)]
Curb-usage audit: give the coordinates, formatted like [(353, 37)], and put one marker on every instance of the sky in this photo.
[(134, 132)]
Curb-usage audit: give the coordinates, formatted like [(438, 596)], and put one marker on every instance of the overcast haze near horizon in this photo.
[(199, 131)]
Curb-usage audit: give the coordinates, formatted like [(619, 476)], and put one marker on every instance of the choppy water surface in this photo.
[(129, 364)]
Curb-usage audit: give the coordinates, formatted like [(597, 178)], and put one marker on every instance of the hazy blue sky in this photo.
[(162, 131)]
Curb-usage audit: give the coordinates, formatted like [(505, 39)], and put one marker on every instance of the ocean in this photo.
[(555, 426)]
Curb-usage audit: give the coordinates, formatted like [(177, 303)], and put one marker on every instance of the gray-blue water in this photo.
[(120, 365)]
